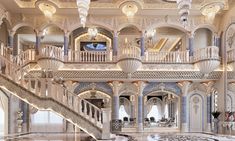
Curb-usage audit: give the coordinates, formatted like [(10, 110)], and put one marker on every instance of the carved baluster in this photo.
[(75, 104), (85, 108), (49, 88), (37, 87), (90, 111), (95, 115), (43, 87), (29, 85)]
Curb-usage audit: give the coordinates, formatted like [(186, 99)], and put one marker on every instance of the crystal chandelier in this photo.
[(129, 9), (211, 9), (184, 6), (83, 7), (92, 32), (47, 9)]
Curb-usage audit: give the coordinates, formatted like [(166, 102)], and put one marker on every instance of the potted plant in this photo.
[(216, 114)]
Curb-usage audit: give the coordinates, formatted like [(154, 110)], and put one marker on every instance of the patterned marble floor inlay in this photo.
[(123, 137)]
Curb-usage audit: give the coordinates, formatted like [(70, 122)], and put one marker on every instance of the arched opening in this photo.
[(24, 39), (124, 108), (161, 110), (203, 37), (165, 39), (129, 34), (91, 44), (3, 114)]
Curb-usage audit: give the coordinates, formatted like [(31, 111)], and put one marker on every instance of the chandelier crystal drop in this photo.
[(83, 7), (184, 6)]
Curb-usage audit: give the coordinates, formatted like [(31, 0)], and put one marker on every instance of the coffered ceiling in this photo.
[(107, 7)]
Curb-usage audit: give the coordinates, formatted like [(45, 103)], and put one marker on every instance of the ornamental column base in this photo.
[(140, 127), (184, 127)]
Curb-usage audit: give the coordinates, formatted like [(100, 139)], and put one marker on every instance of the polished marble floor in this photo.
[(122, 137)]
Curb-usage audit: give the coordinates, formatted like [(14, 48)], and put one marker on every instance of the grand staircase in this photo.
[(46, 93)]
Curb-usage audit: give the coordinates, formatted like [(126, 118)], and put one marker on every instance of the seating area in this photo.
[(149, 122)]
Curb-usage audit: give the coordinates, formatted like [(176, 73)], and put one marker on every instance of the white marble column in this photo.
[(185, 85), (115, 43), (142, 43), (116, 85), (66, 45), (209, 87), (140, 101)]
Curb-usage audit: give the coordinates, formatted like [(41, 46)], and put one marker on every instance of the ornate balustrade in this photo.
[(129, 59), (50, 51), (48, 88), (207, 59), (50, 57), (89, 56), (5, 51), (25, 57), (167, 57), (207, 53)]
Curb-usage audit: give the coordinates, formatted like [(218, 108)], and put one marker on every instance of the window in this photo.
[(46, 117)]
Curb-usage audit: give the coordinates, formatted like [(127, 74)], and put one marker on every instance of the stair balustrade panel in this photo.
[(47, 88)]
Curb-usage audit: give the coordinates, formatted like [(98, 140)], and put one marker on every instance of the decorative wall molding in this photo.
[(151, 76)]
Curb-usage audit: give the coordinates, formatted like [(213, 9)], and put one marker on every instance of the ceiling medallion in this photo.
[(47, 8), (83, 7), (184, 6), (129, 9), (211, 9)]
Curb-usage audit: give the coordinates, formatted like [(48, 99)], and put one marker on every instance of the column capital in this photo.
[(116, 85), (11, 33), (209, 86), (66, 33), (184, 86), (191, 34), (71, 85), (116, 33), (140, 85)]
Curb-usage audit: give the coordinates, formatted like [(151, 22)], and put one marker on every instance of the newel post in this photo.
[(106, 118)]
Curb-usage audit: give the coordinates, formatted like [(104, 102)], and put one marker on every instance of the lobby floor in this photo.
[(132, 137)]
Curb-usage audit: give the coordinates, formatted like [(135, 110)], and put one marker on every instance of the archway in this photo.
[(3, 114), (196, 109), (161, 109), (124, 108)]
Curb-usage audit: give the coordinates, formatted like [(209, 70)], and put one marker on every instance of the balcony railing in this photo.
[(25, 57), (167, 57), (53, 52), (207, 53), (49, 51), (89, 56)]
